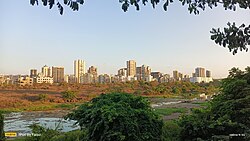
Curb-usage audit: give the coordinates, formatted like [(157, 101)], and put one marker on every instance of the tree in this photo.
[(228, 113), (118, 116), (233, 37), (2, 138)]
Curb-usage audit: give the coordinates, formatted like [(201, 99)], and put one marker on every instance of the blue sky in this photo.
[(105, 36)]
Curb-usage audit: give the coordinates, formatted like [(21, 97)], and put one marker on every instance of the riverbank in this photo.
[(20, 122)]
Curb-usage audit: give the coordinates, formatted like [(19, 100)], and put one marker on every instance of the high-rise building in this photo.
[(46, 71), (176, 75), (201, 76), (139, 73), (143, 72), (79, 69), (156, 75), (33, 73), (194, 75), (131, 68), (58, 74), (92, 70), (208, 73), (122, 72), (180, 76), (200, 72), (186, 78)]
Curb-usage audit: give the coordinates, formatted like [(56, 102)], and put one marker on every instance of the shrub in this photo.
[(43, 97), (118, 116), (171, 131), (76, 135), (68, 95)]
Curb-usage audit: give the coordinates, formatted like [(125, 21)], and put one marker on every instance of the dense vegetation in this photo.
[(228, 113), (1, 127), (118, 116)]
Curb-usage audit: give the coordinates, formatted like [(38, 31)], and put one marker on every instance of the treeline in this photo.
[(178, 88), (171, 88)]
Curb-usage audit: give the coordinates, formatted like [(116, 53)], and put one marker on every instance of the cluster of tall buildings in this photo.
[(131, 72), (57, 75), (201, 75)]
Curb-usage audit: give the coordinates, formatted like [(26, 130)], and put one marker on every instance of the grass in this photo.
[(43, 107), (9, 110), (18, 139), (169, 111), (204, 104), (66, 106)]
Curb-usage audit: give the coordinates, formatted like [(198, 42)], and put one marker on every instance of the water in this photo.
[(19, 122)]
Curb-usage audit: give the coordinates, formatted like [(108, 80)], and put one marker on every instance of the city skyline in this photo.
[(132, 72), (80, 68), (46, 70), (106, 37)]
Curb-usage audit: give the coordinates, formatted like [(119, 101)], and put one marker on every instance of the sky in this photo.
[(102, 35)]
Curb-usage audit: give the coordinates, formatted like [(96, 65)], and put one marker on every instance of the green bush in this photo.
[(43, 97), (117, 117), (76, 135), (69, 95), (171, 131)]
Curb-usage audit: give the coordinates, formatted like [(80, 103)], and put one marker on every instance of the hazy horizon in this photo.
[(104, 36)]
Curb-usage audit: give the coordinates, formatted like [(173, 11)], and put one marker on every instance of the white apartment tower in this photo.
[(46, 71), (79, 69)]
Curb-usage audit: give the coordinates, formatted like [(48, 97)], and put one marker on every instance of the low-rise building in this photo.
[(201, 79), (43, 79), (24, 80)]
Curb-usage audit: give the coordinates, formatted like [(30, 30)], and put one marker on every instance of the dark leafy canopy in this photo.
[(235, 38), (229, 112), (1, 127), (117, 117), (73, 4), (194, 6)]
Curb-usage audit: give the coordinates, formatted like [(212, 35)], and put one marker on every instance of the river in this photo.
[(19, 122)]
